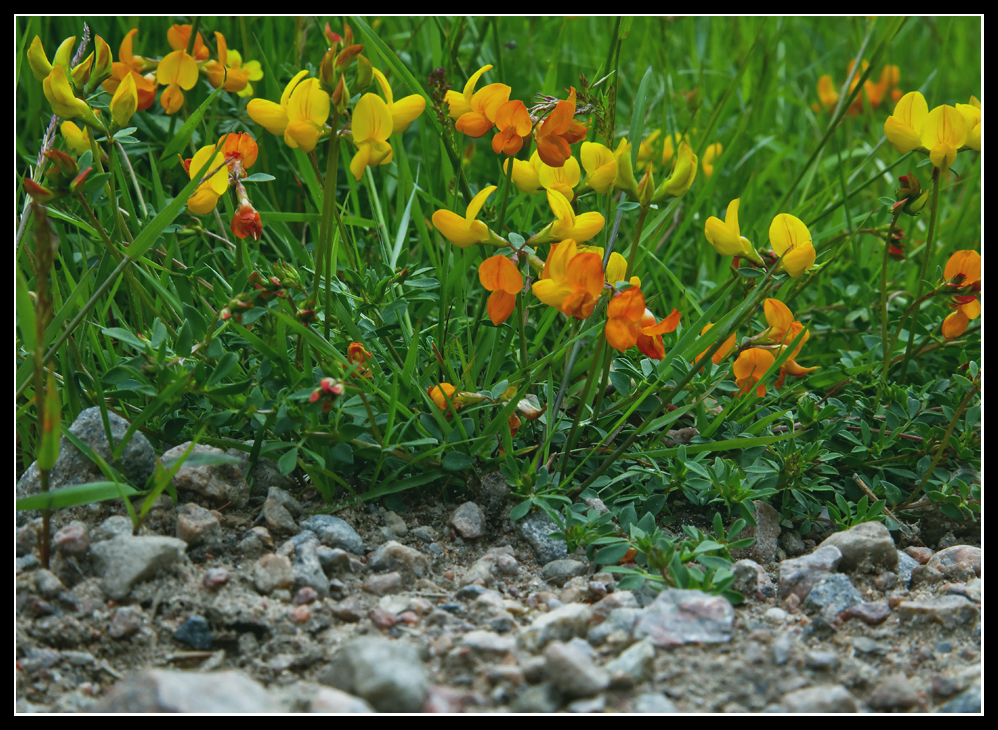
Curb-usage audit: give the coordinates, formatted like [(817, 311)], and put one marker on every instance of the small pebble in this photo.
[(216, 577), (301, 614), (305, 595), (194, 632), (381, 618), (73, 539)]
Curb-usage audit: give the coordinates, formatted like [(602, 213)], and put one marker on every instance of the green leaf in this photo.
[(612, 553), (635, 132), (51, 429), (520, 510), (456, 461), (25, 314), (77, 494), (287, 463)]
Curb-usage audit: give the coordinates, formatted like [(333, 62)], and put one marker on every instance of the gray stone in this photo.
[(558, 572), (396, 524), (536, 529), (791, 543), (216, 484), (126, 560), (114, 526), (679, 617), (766, 535), (539, 698), (469, 521), (158, 690), (573, 671), (969, 701), (620, 622), (906, 564), (481, 571), (396, 556), (194, 632), (594, 704), (72, 467), (828, 698), (127, 620), (798, 575), (73, 539), (307, 569), (832, 595), (752, 580), (633, 666), (561, 624), (383, 583), (866, 547), (652, 703), (893, 693), (335, 533), (47, 584), (279, 512), (388, 674)]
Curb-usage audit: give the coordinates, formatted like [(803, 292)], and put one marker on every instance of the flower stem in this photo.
[(883, 306), (634, 244), (926, 255), (325, 244)]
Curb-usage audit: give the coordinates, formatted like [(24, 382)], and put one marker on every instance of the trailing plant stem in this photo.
[(926, 255)]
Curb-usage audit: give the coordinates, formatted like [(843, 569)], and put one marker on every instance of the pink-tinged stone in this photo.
[(871, 613), (272, 572), (381, 618), (305, 595), (469, 520), (679, 617), (921, 554), (950, 611), (351, 610), (72, 539), (216, 577), (301, 614), (195, 524), (408, 617), (799, 575), (956, 562), (383, 584)]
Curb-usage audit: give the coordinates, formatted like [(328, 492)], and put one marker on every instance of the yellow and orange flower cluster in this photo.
[(875, 91), (230, 158), (788, 236), (963, 271), (783, 331)]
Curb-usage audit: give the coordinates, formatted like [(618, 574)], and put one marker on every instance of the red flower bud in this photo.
[(246, 222)]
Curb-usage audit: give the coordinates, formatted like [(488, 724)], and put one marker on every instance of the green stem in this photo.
[(634, 244), (926, 255), (324, 247), (883, 305)]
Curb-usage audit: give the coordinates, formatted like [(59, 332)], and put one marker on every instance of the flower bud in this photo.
[(246, 222), (910, 197)]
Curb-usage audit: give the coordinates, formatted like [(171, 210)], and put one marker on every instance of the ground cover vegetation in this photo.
[(645, 263)]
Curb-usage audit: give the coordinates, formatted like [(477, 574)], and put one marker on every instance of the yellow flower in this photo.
[(600, 165), (63, 100), (440, 394), (782, 330), (709, 155), (616, 267), (372, 126), (526, 175), (251, 70), (972, 115), (669, 145), (943, 133), (904, 127), (463, 232), (301, 114), (176, 71), (211, 189), (790, 239), (625, 172), (562, 179), (476, 111), (726, 237), (460, 103), (76, 138), (125, 101), (682, 177), (404, 111), (749, 369), (568, 225), (571, 281)]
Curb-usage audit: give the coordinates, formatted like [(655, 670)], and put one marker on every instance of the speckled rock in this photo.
[(126, 560), (215, 484), (634, 665), (561, 624), (158, 690), (335, 533), (469, 521), (832, 595), (395, 523), (906, 564), (536, 529), (126, 621), (752, 580), (73, 539), (307, 569), (72, 467), (272, 572), (921, 554), (196, 525), (893, 693), (396, 556), (798, 575), (387, 674), (383, 583), (828, 698), (652, 703), (866, 547), (957, 562), (679, 617), (950, 611)]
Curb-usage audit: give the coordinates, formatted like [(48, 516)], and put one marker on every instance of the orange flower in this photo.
[(358, 355), (749, 368), (179, 35), (513, 123), (783, 330), (629, 323), (440, 394), (240, 147), (720, 354), (963, 270), (571, 282), (246, 222), (559, 131), (501, 277)]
